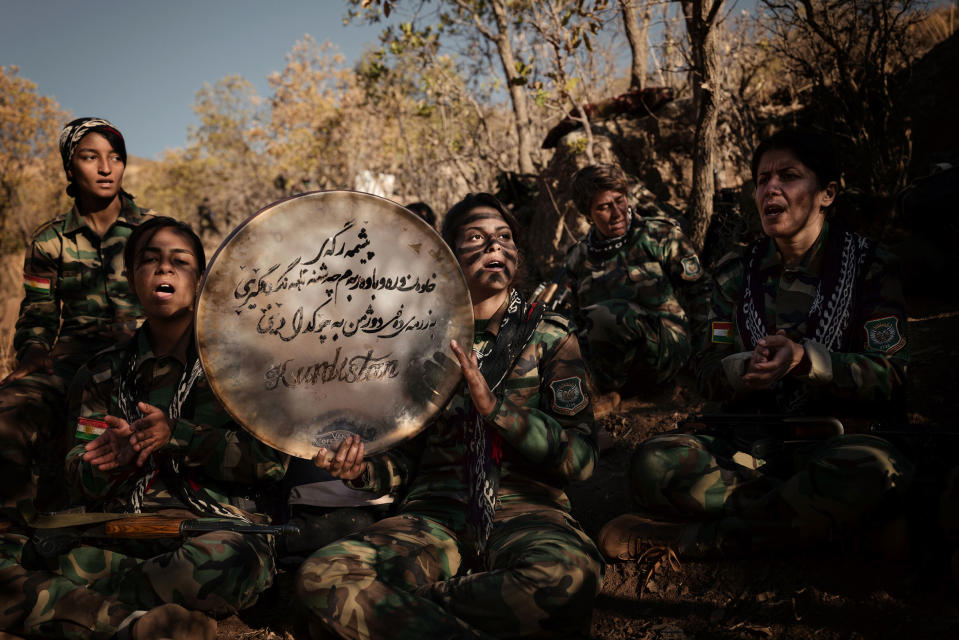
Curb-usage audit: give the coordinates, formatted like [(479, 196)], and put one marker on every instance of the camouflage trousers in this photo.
[(837, 489), (404, 577), (34, 439), (42, 603), (88, 592), (621, 339)]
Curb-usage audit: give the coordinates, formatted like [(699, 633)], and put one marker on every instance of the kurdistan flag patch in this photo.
[(722, 332), (90, 429), (36, 283)]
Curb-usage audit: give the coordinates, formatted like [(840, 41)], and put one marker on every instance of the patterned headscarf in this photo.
[(74, 131)]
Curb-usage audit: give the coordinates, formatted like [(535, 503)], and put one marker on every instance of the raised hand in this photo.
[(111, 449), (483, 398), (150, 432)]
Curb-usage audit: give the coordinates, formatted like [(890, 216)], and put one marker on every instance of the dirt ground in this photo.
[(831, 594)]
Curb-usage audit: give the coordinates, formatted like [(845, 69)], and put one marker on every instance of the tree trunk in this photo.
[(636, 34), (702, 36), (524, 148)]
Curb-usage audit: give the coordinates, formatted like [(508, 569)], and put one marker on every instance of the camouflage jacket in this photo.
[(864, 378), (213, 451), (543, 415), (656, 268), (73, 275)]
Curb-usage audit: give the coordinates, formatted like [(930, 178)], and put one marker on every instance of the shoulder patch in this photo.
[(36, 283), (569, 397), (692, 269), (90, 429), (883, 335), (722, 333)]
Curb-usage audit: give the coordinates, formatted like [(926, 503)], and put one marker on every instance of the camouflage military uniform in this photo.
[(808, 493), (77, 302), (219, 572), (44, 604), (627, 300), (406, 576)]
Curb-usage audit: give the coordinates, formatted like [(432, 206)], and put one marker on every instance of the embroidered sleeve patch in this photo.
[(722, 332), (568, 396), (691, 268), (36, 283), (89, 429), (882, 334)]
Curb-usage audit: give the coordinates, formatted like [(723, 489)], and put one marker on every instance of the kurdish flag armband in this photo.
[(722, 332), (36, 284), (90, 429)]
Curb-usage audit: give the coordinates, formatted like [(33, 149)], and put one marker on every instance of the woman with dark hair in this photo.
[(637, 289), (77, 302), (483, 544), (808, 322), (150, 438)]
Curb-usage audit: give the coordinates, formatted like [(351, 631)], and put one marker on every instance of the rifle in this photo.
[(766, 435), (545, 292), (54, 535), (149, 527)]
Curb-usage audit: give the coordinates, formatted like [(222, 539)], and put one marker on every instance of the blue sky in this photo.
[(139, 64)]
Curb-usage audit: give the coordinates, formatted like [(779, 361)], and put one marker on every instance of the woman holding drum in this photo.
[(483, 544)]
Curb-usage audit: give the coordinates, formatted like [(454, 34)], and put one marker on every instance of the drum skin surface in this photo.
[(330, 314)]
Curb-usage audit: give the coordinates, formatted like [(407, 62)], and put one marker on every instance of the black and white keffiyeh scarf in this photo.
[(601, 248), (833, 306), (484, 445), (165, 467)]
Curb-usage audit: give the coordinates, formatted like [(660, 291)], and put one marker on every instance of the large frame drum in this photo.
[(330, 314)]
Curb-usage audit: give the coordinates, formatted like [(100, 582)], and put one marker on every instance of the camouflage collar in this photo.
[(130, 215), (180, 351)]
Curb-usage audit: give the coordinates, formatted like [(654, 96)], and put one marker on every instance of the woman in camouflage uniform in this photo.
[(150, 438), (809, 321), (637, 288), (483, 545), (77, 302)]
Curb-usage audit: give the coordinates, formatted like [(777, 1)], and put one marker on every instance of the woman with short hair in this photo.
[(483, 544)]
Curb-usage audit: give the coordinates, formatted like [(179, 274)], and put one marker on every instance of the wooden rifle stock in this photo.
[(145, 527), (547, 296), (545, 293), (150, 527)]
